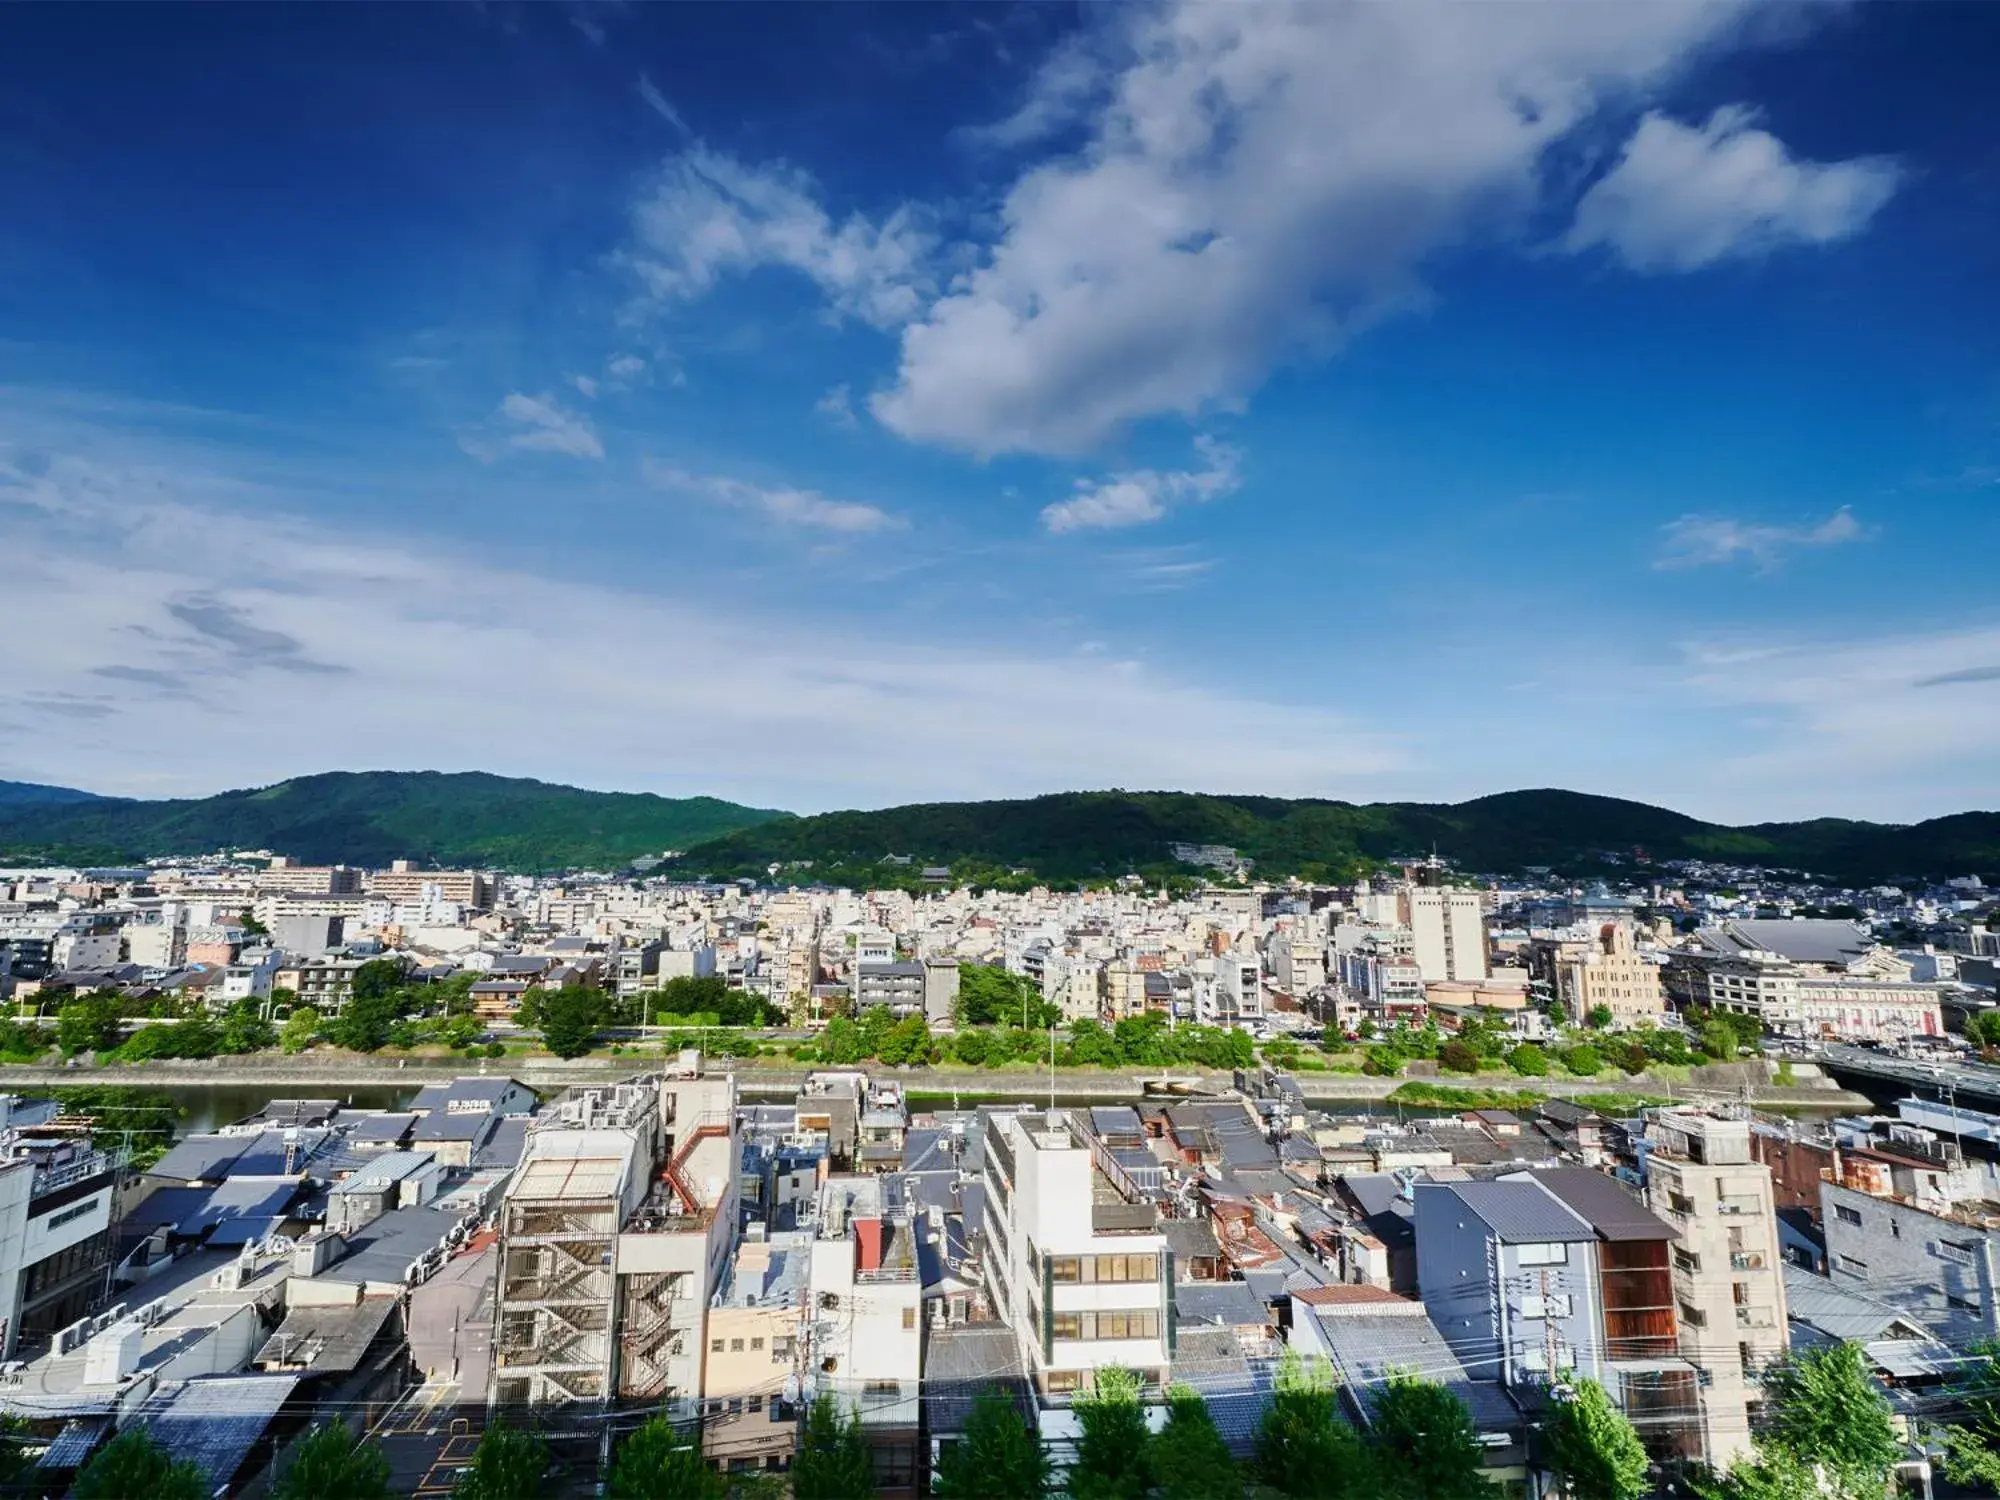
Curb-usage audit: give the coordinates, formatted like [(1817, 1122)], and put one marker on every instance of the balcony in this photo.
[(1746, 1261), (1752, 1317)]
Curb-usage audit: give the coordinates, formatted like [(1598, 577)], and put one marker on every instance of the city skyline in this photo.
[(930, 403)]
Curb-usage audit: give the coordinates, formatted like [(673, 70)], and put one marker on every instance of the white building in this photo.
[(1075, 1261), (1447, 931)]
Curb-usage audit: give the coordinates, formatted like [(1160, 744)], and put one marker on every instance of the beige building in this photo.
[(754, 1350), (404, 882), (1447, 930), (1728, 1281), (1608, 971), (1123, 991)]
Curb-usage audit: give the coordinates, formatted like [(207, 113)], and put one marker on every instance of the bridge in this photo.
[(1950, 1081)]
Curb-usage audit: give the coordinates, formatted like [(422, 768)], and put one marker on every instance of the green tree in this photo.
[(1824, 1408), (1189, 1457), (997, 1458), (1303, 1446), (1583, 1061), (15, 1465), (1718, 1039), (1112, 1462), (363, 1023), (907, 1042), (1424, 1443), (832, 1462), (1984, 1029), (301, 1029), (1593, 1448), (1529, 1061), (331, 1463), (1771, 1475), (1972, 1444), (570, 1019), (841, 1042), (1457, 1056), (88, 1024), (377, 979), (508, 1464), (657, 1462), (1599, 1018), (245, 1030), (133, 1467)]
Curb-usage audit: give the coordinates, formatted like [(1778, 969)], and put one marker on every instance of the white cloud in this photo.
[(706, 215), (836, 406), (777, 709), (1893, 726), (1069, 80), (1143, 495), (532, 424), (1683, 197), (586, 384), (624, 367), (792, 507), (659, 104), (1703, 541)]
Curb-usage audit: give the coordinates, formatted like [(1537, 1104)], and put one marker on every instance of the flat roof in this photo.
[(569, 1178)]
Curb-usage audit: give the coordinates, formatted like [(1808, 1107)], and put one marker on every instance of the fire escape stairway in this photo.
[(650, 1337), (706, 1129)]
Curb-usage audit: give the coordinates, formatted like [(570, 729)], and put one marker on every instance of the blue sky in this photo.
[(852, 405)]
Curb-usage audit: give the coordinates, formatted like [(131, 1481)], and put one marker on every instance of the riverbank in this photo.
[(321, 1074)]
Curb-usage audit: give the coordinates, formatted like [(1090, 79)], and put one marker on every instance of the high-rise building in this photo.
[(1447, 931)]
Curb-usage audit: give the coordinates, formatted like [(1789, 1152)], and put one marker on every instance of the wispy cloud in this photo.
[(108, 548), (1961, 675), (705, 216), (532, 424), (1143, 495), (1695, 541), (660, 105), (836, 407), (792, 507)]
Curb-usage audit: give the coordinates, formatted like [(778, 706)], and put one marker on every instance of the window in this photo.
[(882, 1388), (1065, 1269), (1542, 1255), (75, 1211), (1845, 1214), (781, 1351), (715, 1346), (1687, 1261), (1062, 1380), (909, 1317), (736, 1346), (1067, 1325), (1854, 1267), (757, 1343), (1122, 1268), (1958, 1250)]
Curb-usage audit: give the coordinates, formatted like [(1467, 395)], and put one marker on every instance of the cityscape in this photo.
[(820, 1186), (999, 750)]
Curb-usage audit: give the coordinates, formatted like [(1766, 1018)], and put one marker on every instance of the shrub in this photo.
[(1584, 1061), (1456, 1057), (1529, 1061)]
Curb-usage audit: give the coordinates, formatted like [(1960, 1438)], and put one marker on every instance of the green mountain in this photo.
[(20, 793), (1085, 835), (372, 817)]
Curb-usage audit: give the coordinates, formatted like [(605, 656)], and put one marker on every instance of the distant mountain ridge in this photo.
[(1083, 835), (24, 793), (456, 818), (372, 817)]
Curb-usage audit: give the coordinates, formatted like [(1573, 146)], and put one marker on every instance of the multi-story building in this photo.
[(613, 1233), (403, 881), (864, 1323), (1810, 978), (309, 880), (755, 1355), (58, 1196), (1604, 970), (1239, 987), (940, 989), (1729, 1288), (898, 985), (1298, 962), (325, 984), (1074, 1257), (1447, 930)]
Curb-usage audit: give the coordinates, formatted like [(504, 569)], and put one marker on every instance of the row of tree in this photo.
[(1145, 1041), (1827, 1435)]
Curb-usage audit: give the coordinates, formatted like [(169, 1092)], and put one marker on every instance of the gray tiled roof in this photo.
[(1602, 1202), (1368, 1348), (1229, 1304)]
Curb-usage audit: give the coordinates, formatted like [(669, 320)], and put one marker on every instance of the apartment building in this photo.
[(1298, 962), (898, 985), (308, 880), (1447, 930), (864, 1322), (755, 1355), (1604, 970), (614, 1232), (1729, 1289), (1074, 1256), (940, 989), (1816, 978), (404, 882), (58, 1202)]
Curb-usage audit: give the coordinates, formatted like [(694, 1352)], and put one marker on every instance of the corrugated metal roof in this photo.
[(1521, 1212), (1604, 1203), (213, 1422), (1368, 1348)]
